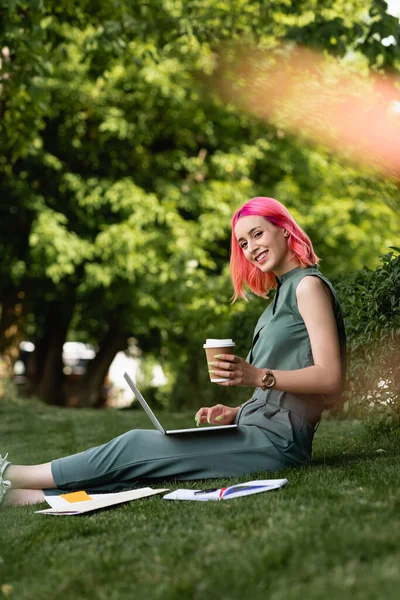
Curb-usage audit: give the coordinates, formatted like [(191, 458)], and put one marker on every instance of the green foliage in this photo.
[(371, 306), (120, 170), (383, 426)]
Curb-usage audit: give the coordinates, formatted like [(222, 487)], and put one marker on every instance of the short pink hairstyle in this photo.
[(242, 271)]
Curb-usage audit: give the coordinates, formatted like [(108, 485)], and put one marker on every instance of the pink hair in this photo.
[(242, 271)]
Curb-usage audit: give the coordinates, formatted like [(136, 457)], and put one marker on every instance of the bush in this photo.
[(371, 307), (382, 426)]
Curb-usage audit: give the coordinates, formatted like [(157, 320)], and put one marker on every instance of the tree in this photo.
[(121, 171)]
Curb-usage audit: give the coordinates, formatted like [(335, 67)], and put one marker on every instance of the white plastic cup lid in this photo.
[(214, 343)]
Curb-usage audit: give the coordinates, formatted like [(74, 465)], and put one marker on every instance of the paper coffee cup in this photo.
[(218, 346)]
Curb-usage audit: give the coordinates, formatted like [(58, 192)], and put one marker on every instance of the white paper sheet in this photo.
[(235, 491), (60, 506)]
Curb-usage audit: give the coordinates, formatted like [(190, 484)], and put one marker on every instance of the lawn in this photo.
[(333, 532)]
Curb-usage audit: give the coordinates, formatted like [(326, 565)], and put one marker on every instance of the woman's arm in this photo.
[(324, 377), (314, 301)]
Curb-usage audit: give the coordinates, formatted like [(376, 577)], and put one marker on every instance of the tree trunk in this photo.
[(185, 394), (91, 391), (13, 311), (49, 363)]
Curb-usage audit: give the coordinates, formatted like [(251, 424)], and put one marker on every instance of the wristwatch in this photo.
[(268, 381)]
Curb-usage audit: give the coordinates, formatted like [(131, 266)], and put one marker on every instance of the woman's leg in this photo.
[(141, 456), (144, 456), (35, 477), (27, 483)]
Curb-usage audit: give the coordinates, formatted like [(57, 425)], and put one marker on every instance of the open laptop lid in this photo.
[(143, 402)]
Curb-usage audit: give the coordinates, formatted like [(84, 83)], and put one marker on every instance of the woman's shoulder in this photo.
[(311, 278), (304, 277), (311, 282), (311, 286), (314, 284)]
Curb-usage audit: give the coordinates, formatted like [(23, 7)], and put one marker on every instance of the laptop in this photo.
[(157, 423)]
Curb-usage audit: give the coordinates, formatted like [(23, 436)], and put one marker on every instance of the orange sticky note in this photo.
[(80, 496)]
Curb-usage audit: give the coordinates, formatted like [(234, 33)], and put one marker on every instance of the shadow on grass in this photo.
[(345, 459)]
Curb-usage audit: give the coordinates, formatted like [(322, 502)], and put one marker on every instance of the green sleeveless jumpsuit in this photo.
[(275, 429)]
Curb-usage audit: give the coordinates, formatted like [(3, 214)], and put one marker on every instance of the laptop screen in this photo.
[(144, 404)]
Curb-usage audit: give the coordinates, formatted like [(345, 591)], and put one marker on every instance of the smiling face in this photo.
[(264, 245)]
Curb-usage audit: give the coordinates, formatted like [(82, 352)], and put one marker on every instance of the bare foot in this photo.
[(23, 497)]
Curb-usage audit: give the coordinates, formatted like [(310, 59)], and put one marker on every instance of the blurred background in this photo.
[(130, 133)]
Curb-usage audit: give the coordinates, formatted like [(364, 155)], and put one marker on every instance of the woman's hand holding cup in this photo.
[(228, 369), (233, 370)]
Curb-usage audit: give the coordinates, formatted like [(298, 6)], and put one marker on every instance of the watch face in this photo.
[(268, 380)]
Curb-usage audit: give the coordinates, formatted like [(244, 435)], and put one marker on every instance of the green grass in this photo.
[(332, 533)]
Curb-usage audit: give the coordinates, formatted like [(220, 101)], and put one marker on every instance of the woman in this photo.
[(296, 366)]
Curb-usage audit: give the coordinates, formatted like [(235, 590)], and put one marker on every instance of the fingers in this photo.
[(227, 362), (231, 375), (235, 370), (214, 412), (201, 415), (231, 358), (211, 415), (226, 367)]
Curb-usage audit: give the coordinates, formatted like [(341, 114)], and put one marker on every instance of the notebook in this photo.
[(226, 493), (157, 423)]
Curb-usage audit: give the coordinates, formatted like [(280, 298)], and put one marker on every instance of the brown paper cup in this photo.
[(211, 351)]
